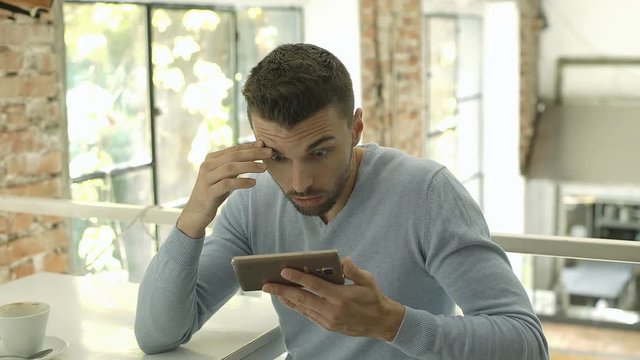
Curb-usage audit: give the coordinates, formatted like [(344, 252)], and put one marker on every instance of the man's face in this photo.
[(312, 162)]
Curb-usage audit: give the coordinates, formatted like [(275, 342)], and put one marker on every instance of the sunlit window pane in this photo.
[(120, 249), (193, 72), (137, 238), (453, 86), (261, 30), (470, 61), (95, 241), (107, 107), (469, 133), (444, 149), (196, 66), (442, 56)]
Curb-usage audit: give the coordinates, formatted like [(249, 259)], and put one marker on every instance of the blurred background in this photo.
[(533, 104)]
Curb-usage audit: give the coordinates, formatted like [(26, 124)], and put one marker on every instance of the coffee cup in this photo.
[(23, 326)]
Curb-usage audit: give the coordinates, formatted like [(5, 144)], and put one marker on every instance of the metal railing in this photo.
[(559, 246)]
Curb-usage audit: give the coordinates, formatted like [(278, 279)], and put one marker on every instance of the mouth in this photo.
[(308, 201)]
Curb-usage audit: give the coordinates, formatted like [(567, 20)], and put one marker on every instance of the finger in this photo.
[(308, 281), (309, 313), (244, 146), (354, 273), (226, 186), (252, 154), (234, 169), (294, 294)]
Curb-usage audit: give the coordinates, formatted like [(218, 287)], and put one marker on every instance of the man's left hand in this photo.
[(358, 309)]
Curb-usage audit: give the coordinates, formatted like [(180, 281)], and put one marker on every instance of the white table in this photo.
[(96, 318)]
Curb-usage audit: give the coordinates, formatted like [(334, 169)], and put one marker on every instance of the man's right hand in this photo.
[(217, 178)]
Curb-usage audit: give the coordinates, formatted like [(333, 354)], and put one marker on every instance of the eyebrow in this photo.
[(312, 145)]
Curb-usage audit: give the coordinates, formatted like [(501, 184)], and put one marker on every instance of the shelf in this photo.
[(613, 224)]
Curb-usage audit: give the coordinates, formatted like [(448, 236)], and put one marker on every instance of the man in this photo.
[(414, 241)]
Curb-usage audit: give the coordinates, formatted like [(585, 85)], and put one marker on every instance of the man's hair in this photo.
[(294, 81)]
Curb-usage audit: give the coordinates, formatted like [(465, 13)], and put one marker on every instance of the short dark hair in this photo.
[(294, 81)]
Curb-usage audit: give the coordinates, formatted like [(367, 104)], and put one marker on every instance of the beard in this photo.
[(332, 195)]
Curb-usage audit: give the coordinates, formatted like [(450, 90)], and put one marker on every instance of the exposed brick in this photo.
[(56, 262), (5, 145), (5, 274), (34, 164), (50, 220), (10, 61), (6, 14), (4, 227), (530, 27), (30, 144), (19, 223), (50, 163), (40, 110), (399, 57), (45, 188), (47, 17), (17, 165), (24, 141), (4, 254), (24, 269), (16, 33), (47, 62), (28, 86), (57, 238), (24, 247), (16, 116)]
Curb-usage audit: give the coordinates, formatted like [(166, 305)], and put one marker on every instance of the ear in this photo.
[(357, 127)]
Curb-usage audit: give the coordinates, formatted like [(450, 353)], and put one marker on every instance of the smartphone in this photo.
[(253, 271)]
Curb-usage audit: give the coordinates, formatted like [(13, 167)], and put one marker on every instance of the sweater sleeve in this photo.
[(188, 280), (498, 322)]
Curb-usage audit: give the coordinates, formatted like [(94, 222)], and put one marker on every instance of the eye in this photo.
[(319, 153), (277, 157)]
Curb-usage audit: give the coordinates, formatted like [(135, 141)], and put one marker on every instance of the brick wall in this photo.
[(32, 145), (392, 98), (530, 27)]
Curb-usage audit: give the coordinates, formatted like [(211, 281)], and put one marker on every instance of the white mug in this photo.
[(23, 326)]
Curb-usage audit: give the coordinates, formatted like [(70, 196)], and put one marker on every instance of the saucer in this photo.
[(50, 342)]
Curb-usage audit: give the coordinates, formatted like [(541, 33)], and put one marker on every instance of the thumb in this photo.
[(354, 273)]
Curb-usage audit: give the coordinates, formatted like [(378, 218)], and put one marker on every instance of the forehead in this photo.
[(324, 123)]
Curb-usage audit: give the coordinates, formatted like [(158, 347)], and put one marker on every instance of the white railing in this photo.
[(84, 209), (561, 246)]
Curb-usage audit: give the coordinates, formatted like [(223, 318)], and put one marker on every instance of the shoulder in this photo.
[(389, 164)]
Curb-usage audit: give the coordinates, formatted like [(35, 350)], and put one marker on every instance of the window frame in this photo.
[(456, 18), (152, 111)]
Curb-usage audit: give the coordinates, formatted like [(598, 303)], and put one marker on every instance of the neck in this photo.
[(348, 189)]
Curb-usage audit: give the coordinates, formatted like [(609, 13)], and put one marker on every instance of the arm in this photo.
[(189, 279), (185, 284), (499, 323)]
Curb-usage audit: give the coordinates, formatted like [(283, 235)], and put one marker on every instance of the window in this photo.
[(453, 48), (151, 89)]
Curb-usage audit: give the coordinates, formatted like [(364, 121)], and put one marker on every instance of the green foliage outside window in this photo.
[(197, 67)]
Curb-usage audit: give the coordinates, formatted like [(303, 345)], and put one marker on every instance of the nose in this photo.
[(302, 178)]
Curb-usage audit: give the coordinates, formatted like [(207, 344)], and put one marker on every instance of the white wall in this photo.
[(503, 186), (586, 28), (335, 26)]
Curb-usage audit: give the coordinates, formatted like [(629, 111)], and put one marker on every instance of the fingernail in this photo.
[(286, 274), (267, 289)]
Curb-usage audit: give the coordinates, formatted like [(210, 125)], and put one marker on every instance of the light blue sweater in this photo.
[(408, 221)]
